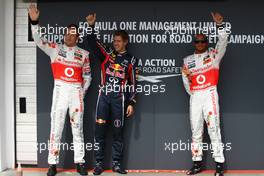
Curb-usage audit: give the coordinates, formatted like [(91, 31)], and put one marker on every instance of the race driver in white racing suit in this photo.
[(72, 76), (200, 77)]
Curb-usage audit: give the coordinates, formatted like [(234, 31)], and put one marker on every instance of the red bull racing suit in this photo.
[(117, 91)]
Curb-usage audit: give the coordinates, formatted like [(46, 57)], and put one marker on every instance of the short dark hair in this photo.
[(123, 34), (74, 26)]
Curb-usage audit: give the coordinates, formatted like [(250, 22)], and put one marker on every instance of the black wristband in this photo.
[(220, 26), (34, 22), (132, 103)]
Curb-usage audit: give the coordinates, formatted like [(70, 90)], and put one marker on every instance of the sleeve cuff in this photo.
[(34, 22), (220, 26), (132, 103)]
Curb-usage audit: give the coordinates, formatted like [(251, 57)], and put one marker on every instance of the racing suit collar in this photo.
[(201, 54), (121, 53), (70, 48)]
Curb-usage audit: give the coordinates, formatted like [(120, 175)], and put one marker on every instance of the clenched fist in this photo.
[(217, 17), (91, 18), (33, 12)]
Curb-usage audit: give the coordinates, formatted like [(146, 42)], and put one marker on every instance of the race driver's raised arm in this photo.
[(94, 45), (221, 45), (41, 42)]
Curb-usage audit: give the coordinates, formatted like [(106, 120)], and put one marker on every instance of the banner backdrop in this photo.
[(159, 136)]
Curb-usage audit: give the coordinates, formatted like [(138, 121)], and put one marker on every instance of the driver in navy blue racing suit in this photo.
[(116, 94)]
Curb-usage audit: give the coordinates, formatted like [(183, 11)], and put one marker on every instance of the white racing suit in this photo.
[(202, 87), (72, 77)]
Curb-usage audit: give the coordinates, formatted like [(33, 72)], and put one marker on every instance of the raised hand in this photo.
[(33, 12), (217, 17), (91, 18)]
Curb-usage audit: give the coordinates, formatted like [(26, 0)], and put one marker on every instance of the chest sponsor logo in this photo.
[(69, 72), (113, 80), (115, 73), (205, 79), (116, 70), (192, 65), (124, 63), (78, 56), (117, 67), (200, 79), (62, 53)]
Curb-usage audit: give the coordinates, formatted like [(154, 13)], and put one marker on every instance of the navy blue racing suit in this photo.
[(117, 91)]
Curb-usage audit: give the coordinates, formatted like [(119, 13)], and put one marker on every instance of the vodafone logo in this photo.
[(200, 79), (69, 72)]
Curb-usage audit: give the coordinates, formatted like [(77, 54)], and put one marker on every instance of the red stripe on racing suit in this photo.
[(204, 80), (72, 74)]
